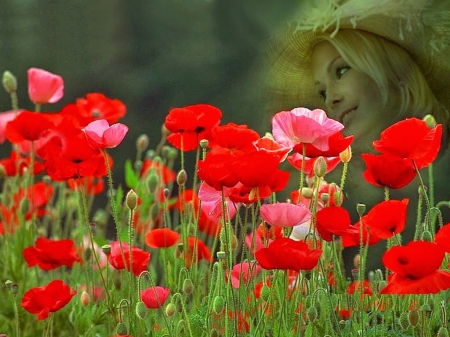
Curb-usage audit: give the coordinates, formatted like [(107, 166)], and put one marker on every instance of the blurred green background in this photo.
[(151, 54)]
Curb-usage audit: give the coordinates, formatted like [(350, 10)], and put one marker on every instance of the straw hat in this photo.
[(421, 29)]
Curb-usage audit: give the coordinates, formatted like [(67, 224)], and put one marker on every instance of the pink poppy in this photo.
[(6, 117), (100, 135), (268, 144), (285, 214), (245, 272), (302, 125), (212, 202), (154, 297), (44, 87)]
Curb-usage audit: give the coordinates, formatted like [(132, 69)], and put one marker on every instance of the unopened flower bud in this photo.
[(131, 200), (442, 332), (2, 171), (9, 82), (361, 209), (138, 165), (106, 249), (165, 151), (307, 192), (320, 166), (173, 154), (426, 236), (142, 143), (154, 211), (170, 309), (24, 206), (234, 242), (346, 155), (413, 317), (357, 261), (85, 299), (188, 286), (430, 121), (212, 333), (337, 197), (14, 288), (426, 307), (121, 329), (204, 143), (141, 310), (46, 179), (312, 313), (404, 321), (218, 304), (164, 131), (152, 182), (181, 177), (150, 154)]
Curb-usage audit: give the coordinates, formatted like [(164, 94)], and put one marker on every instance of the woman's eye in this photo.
[(340, 71)]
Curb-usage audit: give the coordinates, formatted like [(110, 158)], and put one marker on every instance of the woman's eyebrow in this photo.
[(329, 67)]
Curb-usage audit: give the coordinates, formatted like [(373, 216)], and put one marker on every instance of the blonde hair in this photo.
[(390, 66)]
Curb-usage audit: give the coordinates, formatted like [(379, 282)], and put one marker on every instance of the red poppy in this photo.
[(336, 144), (411, 139), (260, 169), (74, 158), (356, 286), (248, 195), (51, 254), (442, 238), (191, 124), (233, 138), (27, 126), (387, 218), (415, 269), (268, 144), (38, 195), (154, 297), (140, 259), (91, 185), (49, 298), (285, 253), (388, 170), (354, 238), (203, 252), (161, 238), (16, 164), (95, 106), (266, 232), (216, 170), (333, 220)]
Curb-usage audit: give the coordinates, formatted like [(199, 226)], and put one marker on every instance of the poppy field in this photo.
[(212, 250)]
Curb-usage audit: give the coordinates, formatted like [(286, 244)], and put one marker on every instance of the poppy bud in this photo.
[(138, 165), (413, 317), (85, 299), (426, 236), (325, 197), (152, 182), (170, 309), (142, 142), (320, 166), (9, 82), (442, 332), (2, 171), (165, 151), (166, 193), (213, 333), (346, 155), (131, 200), (181, 177), (404, 321), (188, 286), (150, 154), (357, 261), (430, 121), (426, 307), (180, 250), (141, 310), (121, 329), (379, 275), (307, 192), (312, 313), (24, 206), (14, 288), (337, 197), (218, 304), (154, 212), (164, 131), (173, 154)]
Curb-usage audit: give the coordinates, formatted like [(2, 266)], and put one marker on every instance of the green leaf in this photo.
[(309, 330), (131, 178)]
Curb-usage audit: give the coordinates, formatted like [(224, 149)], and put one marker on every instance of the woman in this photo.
[(368, 64)]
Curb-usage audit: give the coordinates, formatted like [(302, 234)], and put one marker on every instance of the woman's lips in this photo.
[(345, 113)]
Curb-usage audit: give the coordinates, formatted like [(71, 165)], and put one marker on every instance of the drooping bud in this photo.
[(346, 155), (181, 177), (25, 206), (426, 236), (413, 317), (218, 304), (188, 286), (152, 182), (141, 310), (154, 211), (357, 261), (337, 197), (121, 329), (320, 166), (430, 121), (9, 82), (131, 200), (85, 299), (173, 154), (307, 192), (312, 313), (442, 332), (170, 309), (404, 321), (142, 143)]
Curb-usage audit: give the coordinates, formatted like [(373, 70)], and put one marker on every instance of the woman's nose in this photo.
[(334, 97)]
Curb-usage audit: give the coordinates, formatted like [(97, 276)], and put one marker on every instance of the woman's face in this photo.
[(350, 96)]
